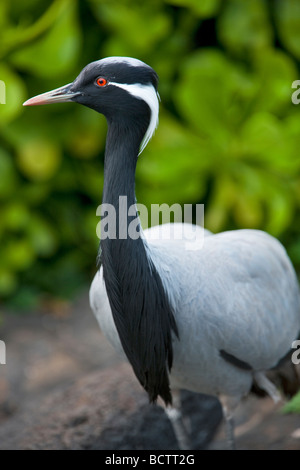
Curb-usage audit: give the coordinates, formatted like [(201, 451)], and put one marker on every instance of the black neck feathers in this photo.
[(139, 303)]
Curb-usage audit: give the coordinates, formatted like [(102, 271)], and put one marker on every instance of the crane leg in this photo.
[(265, 384), (229, 423), (228, 405), (175, 416)]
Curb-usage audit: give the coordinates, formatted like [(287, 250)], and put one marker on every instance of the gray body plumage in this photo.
[(238, 293)]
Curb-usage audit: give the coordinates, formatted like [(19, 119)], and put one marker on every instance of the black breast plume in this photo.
[(142, 313)]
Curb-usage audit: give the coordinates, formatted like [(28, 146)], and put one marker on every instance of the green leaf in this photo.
[(202, 8), (8, 177), (39, 159), (8, 281), (281, 207), (18, 254), (135, 26), (287, 15), (28, 28), (16, 216), (292, 406), (14, 93), (221, 203), (244, 26), (58, 50), (211, 94), (42, 236), (276, 72), (168, 161), (264, 140)]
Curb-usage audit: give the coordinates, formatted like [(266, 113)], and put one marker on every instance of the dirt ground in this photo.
[(64, 387)]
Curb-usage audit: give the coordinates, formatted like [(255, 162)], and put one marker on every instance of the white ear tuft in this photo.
[(151, 97)]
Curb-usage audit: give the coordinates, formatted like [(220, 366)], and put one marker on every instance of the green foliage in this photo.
[(228, 135), (252, 30), (292, 406)]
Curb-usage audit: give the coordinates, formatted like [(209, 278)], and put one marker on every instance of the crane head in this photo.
[(122, 88)]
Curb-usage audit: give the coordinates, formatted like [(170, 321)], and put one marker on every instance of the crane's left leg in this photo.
[(174, 414), (228, 405)]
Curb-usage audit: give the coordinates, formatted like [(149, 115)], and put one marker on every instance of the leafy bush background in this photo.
[(228, 135)]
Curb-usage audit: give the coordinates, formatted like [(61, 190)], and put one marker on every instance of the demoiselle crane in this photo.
[(211, 320)]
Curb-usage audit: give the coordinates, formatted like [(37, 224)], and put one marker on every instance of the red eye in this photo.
[(101, 81)]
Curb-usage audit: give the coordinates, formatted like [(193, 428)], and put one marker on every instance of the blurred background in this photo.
[(228, 136)]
